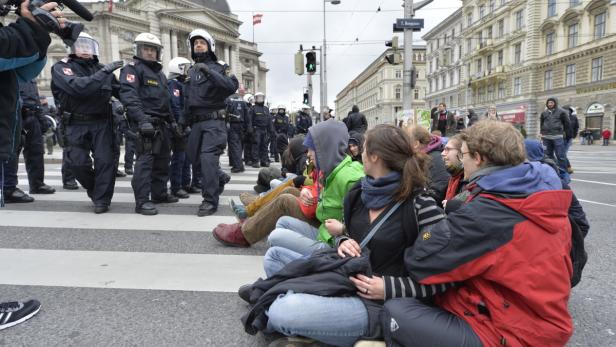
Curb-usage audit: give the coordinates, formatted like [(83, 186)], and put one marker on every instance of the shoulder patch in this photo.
[(130, 78), (131, 63), (67, 71), (176, 93)]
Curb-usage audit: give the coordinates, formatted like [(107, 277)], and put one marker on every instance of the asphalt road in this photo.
[(127, 280)]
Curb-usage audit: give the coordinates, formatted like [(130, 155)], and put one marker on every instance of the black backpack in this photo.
[(578, 253)]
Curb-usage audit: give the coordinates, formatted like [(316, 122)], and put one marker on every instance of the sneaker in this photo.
[(239, 210), (247, 198), (15, 312)]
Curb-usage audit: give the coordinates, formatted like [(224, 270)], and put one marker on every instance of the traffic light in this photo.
[(311, 62), (393, 58), (299, 63), (393, 43), (305, 98)]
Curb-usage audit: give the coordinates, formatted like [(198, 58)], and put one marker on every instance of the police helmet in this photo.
[(147, 40), (248, 98), (179, 65), (282, 108), (201, 33), (259, 98), (305, 107), (84, 44)]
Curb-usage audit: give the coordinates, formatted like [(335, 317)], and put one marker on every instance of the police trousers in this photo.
[(34, 150), (152, 166), (234, 139), (259, 149)]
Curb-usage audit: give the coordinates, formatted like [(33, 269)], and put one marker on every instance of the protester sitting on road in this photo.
[(438, 177), (510, 246), (327, 143), (293, 160), (356, 143), (452, 156), (395, 174)]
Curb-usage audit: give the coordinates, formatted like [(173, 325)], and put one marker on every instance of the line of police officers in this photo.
[(169, 124)]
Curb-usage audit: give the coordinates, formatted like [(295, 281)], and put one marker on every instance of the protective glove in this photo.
[(44, 124), (187, 130), (176, 130), (109, 68), (202, 67)]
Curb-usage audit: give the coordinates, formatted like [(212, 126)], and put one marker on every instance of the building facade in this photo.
[(517, 53), (377, 90), (171, 20)]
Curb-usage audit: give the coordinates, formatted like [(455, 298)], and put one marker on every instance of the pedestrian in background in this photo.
[(606, 134)]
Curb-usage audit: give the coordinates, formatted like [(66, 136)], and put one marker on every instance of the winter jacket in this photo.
[(438, 177), (455, 185), (606, 134), (575, 125), (23, 49), (554, 122), (510, 245), (357, 122), (472, 117)]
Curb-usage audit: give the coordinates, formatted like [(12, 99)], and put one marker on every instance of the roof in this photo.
[(216, 5)]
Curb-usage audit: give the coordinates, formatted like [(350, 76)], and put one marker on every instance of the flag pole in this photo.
[(253, 27)]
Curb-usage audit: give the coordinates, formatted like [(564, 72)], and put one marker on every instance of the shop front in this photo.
[(594, 119)]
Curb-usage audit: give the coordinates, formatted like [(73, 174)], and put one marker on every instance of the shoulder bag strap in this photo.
[(374, 229)]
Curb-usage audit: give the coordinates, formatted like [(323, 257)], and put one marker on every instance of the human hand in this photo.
[(305, 196), (202, 67), (371, 288), (109, 68), (349, 247), (51, 7), (334, 227)]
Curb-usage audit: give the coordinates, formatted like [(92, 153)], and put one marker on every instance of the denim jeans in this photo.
[(556, 149), (296, 235), (334, 321), (179, 171), (276, 258)]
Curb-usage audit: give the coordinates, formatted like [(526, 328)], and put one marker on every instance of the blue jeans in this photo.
[(278, 257), (296, 235), (179, 171), (556, 149), (335, 321)]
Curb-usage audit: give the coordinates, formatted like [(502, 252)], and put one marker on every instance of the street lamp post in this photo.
[(324, 60)]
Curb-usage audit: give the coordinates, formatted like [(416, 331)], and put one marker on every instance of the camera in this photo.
[(71, 30)]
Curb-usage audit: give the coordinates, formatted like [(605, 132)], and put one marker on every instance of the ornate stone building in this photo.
[(171, 21), (377, 90)]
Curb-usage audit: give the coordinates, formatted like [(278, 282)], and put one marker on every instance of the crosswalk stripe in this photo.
[(112, 221), (127, 184), (129, 270), (81, 196)]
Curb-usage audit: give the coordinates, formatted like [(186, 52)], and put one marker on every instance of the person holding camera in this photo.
[(23, 50), (83, 88)]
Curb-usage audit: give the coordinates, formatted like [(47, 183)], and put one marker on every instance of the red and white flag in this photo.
[(256, 18)]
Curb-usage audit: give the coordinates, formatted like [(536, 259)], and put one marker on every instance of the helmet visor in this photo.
[(85, 46), (184, 68), (260, 99), (149, 52)]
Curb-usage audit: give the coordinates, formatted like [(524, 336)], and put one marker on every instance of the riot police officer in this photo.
[(262, 124), (238, 123), (34, 126), (281, 128), (209, 83), (303, 120), (248, 131), (83, 88), (146, 98), (180, 165)]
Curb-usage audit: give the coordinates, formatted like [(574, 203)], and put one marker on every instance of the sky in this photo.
[(356, 35)]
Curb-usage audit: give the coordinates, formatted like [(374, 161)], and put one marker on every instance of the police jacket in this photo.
[(303, 122), (23, 49), (554, 122), (238, 112), (281, 123), (206, 92), (357, 122), (176, 93), (80, 86), (144, 91), (261, 117)]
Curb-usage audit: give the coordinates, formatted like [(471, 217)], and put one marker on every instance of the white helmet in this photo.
[(305, 107), (259, 98), (84, 44), (248, 98), (202, 33), (147, 40), (178, 65), (282, 107)]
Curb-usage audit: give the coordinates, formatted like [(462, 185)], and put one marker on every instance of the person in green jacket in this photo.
[(327, 143)]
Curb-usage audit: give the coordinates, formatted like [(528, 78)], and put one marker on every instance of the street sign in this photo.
[(415, 24)]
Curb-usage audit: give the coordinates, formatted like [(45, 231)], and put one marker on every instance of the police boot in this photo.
[(120, 174), (129, 171), (255, 165), (192, 190), (181, 194), (222, 180), (98, 209), (70, 185), (165, 199), (206, 209), (17, 196), (43, 189), (265, 164), (237, 170), (147, 208)]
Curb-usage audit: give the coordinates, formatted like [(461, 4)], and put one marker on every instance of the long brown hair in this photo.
[(393, 146)]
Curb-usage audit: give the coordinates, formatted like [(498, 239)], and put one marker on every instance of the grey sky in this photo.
[(280, 34)]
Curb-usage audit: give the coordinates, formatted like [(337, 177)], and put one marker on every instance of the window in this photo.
[(492, 5), (547, 80), (573, 3), (600, 25), (398, 93), (451, 78), (459, 52), (500, 57), (490, 32), (519, 19), (398, 73), (490, 92), (549, 43), (489, 62), (480, 37), (469, 20), (551, 8), (597, 69), (482, 11), (572, 36), (570, 75), (469, 46), (444, 81), (501, 90), (517, 86), (478, 65), (416, 94), (517, 53), (501, 28)]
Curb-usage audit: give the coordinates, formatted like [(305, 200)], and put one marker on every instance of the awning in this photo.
[(513, 116)]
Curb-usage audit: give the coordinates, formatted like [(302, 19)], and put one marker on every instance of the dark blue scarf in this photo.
[(378, 193)]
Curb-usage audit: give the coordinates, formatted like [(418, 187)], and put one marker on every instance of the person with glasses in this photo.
[(452, 157)]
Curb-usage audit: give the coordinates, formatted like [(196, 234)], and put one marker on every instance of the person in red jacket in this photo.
[(606, 134), (508, 246)]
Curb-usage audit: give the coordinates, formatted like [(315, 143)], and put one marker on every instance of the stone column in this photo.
[(227, 54), (154, 23), (115, 46), (174, 44), (166, 41)]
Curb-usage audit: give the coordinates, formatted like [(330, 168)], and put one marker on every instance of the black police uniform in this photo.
[(249, 137), (262, 124), (205, 91), (120, 128), (31, 143), (180, 165), (84, 91), (145, 96), (281, 128), (303, 122), (238, 123)]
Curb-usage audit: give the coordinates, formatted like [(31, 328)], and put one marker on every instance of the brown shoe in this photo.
[(230, 235), (247, 198)]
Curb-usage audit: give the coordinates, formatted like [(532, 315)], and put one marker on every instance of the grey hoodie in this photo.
[(331, 140)]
